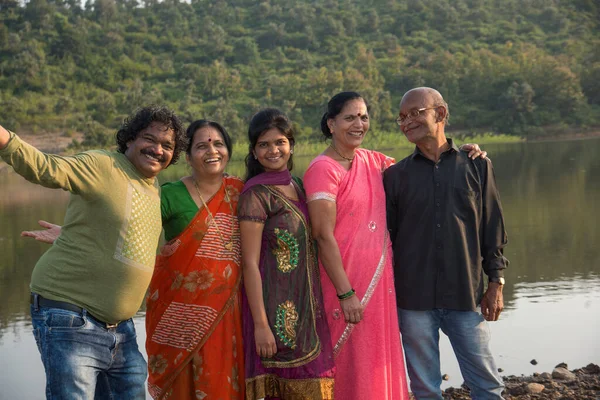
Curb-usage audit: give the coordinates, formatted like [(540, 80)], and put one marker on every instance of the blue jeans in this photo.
[(469, 335), (85, 360)]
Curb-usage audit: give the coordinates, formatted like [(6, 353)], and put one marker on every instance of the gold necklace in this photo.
[(340, 154), (227, 244)]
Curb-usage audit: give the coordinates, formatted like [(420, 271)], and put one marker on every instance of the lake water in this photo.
[(551, 197)]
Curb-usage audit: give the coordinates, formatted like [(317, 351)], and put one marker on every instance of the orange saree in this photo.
[(193, 318)]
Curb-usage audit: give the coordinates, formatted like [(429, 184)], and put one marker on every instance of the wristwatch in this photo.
[(497, 279)]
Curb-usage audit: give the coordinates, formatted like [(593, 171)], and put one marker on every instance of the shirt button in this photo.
[(437, 184), (437, 204), (437, 166), (439, 226)]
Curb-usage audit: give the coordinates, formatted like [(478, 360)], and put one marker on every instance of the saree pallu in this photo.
[(193, 317), (303, 366), (368, 355)]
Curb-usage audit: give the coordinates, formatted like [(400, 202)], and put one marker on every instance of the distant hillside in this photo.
[(509, 65)]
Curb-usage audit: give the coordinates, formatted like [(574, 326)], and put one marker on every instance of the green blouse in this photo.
[(177, 208)]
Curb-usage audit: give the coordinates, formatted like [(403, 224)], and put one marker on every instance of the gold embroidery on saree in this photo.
[(287, 251), (286, 322)]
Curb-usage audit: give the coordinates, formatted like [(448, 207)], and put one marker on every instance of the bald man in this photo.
[(447, 231)]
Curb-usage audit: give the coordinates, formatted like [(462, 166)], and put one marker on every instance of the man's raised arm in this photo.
[(4, 137)]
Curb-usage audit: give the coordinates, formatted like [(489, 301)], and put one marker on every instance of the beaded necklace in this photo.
[(340, 154)]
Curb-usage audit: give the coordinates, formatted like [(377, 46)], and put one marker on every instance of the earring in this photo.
[(292, 151), (256, 158)]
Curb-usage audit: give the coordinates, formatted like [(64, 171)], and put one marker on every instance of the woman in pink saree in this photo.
[(347, 209)]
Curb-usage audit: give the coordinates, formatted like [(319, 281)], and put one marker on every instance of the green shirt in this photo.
[(178, 208), (104, 257)]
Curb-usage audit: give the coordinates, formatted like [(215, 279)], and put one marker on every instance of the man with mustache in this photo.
[(447, 230), (86, 288)]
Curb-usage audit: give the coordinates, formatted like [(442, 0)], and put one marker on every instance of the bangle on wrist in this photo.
[(346, 295)]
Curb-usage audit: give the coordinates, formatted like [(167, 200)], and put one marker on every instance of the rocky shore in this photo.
[(563, 384)]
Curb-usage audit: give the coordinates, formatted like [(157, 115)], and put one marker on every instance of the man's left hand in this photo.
[(492, 303)]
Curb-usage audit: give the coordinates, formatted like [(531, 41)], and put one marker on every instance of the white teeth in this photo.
[(212, 160), (151, 158)]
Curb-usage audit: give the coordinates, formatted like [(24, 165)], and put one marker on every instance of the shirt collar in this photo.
[(453, 147)]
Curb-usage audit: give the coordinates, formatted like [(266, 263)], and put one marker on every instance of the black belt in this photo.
[(39, 301)]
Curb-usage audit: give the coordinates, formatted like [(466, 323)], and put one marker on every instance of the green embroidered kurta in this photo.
[(303, 364)]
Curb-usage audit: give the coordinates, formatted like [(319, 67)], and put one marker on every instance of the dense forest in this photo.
[(512, 66)]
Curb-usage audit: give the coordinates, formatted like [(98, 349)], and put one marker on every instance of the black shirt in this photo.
[(446, 227)]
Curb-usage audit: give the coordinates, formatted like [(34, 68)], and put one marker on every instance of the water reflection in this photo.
[(551, 198), (558, 291), (550, 322)]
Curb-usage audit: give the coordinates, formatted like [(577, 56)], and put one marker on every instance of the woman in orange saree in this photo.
[(193, 318)]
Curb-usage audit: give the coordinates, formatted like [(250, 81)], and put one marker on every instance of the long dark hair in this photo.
[(335, 106), (202, 123), (261, 122)]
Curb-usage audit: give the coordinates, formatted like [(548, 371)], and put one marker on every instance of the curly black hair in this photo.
[(143, 118)]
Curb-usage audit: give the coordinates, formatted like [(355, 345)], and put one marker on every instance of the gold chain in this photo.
[(227, 244), (340, 154)]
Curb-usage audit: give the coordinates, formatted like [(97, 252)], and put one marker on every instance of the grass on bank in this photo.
[(381, 142), (306, 150)]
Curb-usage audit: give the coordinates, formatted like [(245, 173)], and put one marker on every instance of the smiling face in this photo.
[(425, 125), (273, 150), (349, 127), (152, 149), (208, 153)]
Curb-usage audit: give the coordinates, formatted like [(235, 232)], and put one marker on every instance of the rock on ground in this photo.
[(578, 384)]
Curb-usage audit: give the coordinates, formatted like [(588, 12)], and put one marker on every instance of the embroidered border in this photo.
[(321, 196), (184, 325), (365, 300), (271, 385)]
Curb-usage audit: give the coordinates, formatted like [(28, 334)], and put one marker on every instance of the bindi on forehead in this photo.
[(207, 136)]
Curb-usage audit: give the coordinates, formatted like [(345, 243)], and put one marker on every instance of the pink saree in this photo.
[(368, 355)]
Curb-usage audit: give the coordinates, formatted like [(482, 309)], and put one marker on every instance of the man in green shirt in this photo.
[(89, 284)]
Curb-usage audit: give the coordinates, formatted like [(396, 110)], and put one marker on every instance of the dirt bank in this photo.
[(578, 384), (49, 142)]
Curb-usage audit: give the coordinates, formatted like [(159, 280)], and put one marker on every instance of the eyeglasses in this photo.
[(413, 114)]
